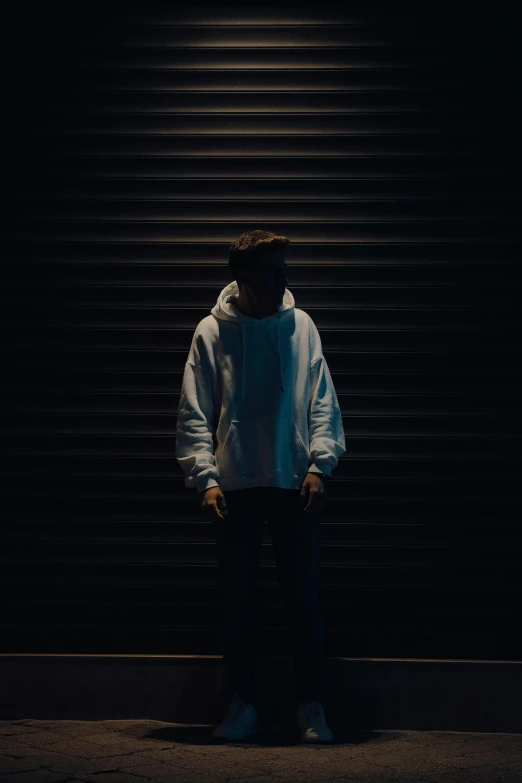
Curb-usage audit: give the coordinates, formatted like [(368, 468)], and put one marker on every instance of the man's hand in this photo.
[(313, 490), (213, 504)]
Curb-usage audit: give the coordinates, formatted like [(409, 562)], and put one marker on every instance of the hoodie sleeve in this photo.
[(195, 428), (325, 424)]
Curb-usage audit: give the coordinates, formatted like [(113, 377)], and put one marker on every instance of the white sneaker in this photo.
[(240, 721), (312, 723)]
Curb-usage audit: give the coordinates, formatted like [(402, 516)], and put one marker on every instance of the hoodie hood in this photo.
[(227, 311)]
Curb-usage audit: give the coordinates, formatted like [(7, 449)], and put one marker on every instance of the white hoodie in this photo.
[(257, 404)]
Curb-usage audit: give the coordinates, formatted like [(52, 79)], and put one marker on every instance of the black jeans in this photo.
[(295, 538)]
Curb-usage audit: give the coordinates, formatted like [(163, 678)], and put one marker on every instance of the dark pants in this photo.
[(295, 538)]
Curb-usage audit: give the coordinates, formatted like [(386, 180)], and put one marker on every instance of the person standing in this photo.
[(259, 431)]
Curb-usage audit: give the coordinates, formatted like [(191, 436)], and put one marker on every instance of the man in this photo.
[(259, 431)]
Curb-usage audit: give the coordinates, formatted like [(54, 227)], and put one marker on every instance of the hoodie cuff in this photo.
[(206, 485), (315, 468)]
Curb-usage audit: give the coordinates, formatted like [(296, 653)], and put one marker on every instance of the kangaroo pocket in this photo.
[(266, 445)]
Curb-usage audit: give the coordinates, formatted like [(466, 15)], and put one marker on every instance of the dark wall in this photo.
[(383, 140)]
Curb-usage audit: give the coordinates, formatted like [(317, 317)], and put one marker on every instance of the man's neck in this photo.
[(243, 307)]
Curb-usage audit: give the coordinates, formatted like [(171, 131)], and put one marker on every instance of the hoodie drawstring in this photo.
[(244, 358), (279, 351)]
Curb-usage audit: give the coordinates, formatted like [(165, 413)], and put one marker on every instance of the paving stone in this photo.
[(19, 751), (141, 751), (515, 766), (116, 777), (66, 763), (7, 730), (157, 770), (35, 776), (10, 766), (483, 775), (166, 756), (37, 739)]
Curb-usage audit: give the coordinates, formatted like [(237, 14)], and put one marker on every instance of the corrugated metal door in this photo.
[(383, 140)]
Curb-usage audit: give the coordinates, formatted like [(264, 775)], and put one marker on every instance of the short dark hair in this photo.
[(244, 251)]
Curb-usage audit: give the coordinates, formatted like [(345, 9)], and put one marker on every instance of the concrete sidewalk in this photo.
[(121, 751)]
